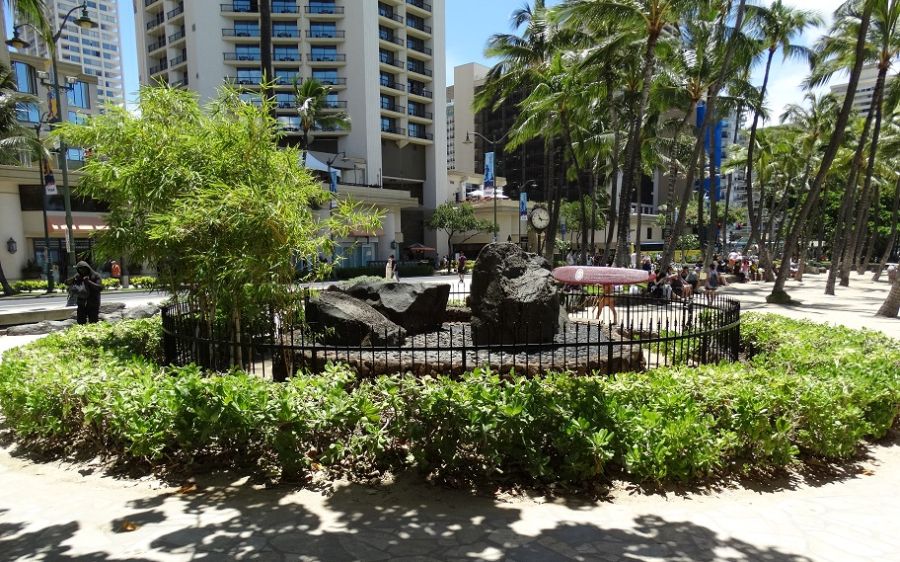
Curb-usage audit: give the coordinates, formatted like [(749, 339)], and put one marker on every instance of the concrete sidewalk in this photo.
[(61, 511)]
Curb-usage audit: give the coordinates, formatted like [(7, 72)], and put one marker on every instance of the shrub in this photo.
[(26, 286), (807, 390), (110, 284), (144, 282)]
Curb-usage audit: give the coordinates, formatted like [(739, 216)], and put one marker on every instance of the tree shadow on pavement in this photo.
[(415, 522)]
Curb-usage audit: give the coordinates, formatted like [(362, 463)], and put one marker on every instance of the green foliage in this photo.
[(207, 195), (458, 220), (807, 390), (110, 283), (406, 270), (26, 286), (145, 282)]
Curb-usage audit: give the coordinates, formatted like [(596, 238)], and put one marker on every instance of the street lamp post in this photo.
[(493, 143), (43, 183), (524, 187), (84, 21)]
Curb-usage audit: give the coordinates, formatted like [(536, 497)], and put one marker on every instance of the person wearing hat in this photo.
[(86, 286)]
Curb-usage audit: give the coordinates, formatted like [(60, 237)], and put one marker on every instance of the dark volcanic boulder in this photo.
[(514, 299), (417, 307), (344, 320)]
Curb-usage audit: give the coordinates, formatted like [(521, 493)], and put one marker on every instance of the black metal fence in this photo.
[(647, 333)]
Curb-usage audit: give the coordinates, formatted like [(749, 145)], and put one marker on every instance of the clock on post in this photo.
[(539, 218)]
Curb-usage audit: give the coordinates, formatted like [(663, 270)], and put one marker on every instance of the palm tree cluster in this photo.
[(628, 88)]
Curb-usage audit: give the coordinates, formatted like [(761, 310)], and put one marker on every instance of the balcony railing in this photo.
[(326, 57), (285, 8), (393, 85), (420, 113), (243, 56), (240, 33), (176, 36), (390, 15), (390, 39), (164, 65), (419, 4), (287, 57), (325, 34), (147, 3), (418, 25), (391, 61), (330, 81), (177, 11), (420, 134), (327, 9), (419, 69), (418, 91), (388, 106), (286, 33), (335, 104), (180, 83), (157, 45), (178, 60), (283, 80), (158, 20), (392, 130), (419, 48), (241, 7), (244, 80)]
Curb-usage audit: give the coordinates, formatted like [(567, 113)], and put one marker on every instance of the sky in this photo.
[(471, 22)]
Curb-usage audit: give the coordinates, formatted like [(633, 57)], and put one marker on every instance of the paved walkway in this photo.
[(56, 511)]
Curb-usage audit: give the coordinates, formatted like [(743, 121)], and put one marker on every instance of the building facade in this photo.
[(862, 101), (22, 196), (382, 60), (98, 51)]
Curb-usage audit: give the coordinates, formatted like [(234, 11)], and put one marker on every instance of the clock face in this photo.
[(540, 218)]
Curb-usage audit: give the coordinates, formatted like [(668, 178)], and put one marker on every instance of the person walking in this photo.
[(462, 268), (115, 270), (712, 282), (607, 300), (389, 269), (86, 286)]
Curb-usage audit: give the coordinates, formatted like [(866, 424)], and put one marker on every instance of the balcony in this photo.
[(177, 36), (314, 9), (420, 4), (244, 80), (242, 57), (157, 21), (286, 104), (285, 34), (419, 69), (392, 18), (391, 61), (419, 48), (393, 130), (326, 57), (279, 8), (181, 59), (412, 24), (335, 104), (392, 85), (325, 34), (240, 8), (421, 92), (148, 3), (339, 82), (176, 12), (157, 45), (388, 106), (420, 114), (164, 65), (240, 33), (391, 40), (287, 80), (179, 83), (422, 135), (287, 57)]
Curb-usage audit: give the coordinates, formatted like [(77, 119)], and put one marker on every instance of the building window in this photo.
[(79, 95), (286, 54), (284, 30), (24, 74), (649, 233)]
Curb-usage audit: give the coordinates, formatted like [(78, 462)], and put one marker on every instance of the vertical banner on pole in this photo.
[(523, 206), (489, 170)]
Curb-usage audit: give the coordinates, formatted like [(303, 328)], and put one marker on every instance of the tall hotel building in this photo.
[(98, 51), (384, 61)]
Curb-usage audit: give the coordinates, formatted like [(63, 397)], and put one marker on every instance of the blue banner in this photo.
[(489, 169), (523, 206)]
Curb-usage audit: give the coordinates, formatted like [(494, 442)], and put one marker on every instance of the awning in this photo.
[(364, 234), (314, 163), (79, 224)]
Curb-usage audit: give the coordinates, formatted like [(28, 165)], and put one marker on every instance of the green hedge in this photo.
[(27, 286), (810, 390)]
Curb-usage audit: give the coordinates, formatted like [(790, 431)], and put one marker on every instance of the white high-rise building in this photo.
[(98, 51), (865, 90), (384, 61)]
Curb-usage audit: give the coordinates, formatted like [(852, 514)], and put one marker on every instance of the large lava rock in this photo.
[(514, 299), (344, 320), (417, 307)]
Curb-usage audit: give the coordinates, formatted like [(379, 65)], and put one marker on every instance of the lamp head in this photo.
[(17, 42), (84, 21), (468, 140)]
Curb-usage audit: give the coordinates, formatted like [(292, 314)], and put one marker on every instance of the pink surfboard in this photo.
[(584, 275)]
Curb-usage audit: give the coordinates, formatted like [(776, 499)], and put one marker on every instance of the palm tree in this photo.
[(778, 294), (779, 26), (314, 110), (891, 148), (653, 17), (13, 136), (891, 306)]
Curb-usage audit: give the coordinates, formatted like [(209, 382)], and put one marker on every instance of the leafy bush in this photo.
[(807, 390), (110, 284), (26, 286), (144, 282)]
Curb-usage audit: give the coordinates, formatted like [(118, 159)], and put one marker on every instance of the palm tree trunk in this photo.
[(624, 230), (4, 283), (613, 174), (891, 306), (892, 239), (633, 150), (550, 233), (751, 149), (852, 247), (837, 138)]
